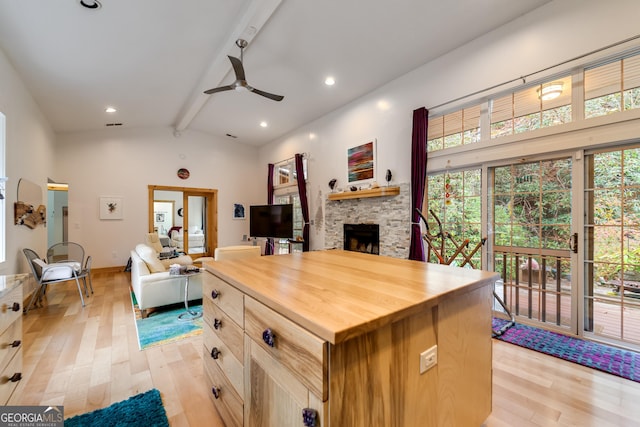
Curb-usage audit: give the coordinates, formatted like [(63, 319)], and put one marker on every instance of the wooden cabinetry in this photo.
[(11, 298), (333, 338)]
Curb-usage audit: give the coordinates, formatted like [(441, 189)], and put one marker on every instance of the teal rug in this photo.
[(143, 409), (162, 326)]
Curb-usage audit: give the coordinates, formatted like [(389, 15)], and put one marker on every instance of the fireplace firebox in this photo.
[(362, 238)]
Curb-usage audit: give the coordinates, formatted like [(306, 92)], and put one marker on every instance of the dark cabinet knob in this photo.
[(216, 392), (16, 343), (309, 417), (215, 352), (217, 323), (16, 377), (269, 337), (15, 306), (215, 294)]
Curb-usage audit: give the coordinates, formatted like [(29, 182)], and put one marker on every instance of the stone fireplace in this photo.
[(390, 213)]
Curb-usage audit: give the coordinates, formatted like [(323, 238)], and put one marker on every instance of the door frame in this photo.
[(211, 196)]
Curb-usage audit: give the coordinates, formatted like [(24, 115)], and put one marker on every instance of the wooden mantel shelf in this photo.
[(370, 192)]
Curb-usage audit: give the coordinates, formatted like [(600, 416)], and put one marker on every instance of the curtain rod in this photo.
[(524, 77)]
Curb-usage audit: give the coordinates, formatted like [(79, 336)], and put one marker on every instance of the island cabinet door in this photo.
[(274, 396)]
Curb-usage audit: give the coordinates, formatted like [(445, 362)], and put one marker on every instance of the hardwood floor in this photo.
[(88, 358)]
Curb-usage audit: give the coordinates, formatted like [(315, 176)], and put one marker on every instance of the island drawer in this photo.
[(298, 350), (10, 308), (228, 403), (10, 378), (10, 343), (224, 327), (225, 296), (219, 353)]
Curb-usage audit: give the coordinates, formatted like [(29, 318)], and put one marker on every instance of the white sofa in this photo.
[(152, 284)]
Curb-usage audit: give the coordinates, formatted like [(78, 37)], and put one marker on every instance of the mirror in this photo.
[(185, 218)]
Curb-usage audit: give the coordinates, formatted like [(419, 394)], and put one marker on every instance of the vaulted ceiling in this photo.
[(153, 59)]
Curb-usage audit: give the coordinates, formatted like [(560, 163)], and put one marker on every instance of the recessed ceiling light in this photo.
[(329, 81), (263, 124), (110, 110)]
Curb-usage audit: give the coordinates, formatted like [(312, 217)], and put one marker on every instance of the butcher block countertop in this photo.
[(339, 294)]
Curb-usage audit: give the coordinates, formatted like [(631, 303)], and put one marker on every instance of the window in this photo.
[(451, 130), (3, 209), (532, 108), (455, 198), (285, 172), (282, 245), (612, 87)]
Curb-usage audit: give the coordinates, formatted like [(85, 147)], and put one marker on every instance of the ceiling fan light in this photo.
[(550, 91)]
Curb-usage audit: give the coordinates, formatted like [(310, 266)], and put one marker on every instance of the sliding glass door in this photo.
[(531, 224), (612, 245)]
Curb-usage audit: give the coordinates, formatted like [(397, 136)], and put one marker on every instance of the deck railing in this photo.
[(535, 284)]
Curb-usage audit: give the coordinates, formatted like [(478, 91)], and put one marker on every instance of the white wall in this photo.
[(561, 30), (123, 162), (29, 155)]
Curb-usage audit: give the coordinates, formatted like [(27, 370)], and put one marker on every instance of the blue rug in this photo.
[(613, 360), (162, 326), (143, 409)]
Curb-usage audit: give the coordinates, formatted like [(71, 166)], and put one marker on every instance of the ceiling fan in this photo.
[(241, 82)]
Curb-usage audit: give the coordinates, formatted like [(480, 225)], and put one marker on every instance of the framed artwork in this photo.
[(361, 161), (111, 207), (238, 211)]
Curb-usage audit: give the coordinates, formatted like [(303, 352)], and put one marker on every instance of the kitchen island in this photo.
[(338, 338)]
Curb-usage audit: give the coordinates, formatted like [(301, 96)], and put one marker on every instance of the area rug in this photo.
[(143, 409), (613, 360), (162, 325)]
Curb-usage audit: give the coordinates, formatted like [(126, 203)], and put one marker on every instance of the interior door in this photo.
[(197, 223)]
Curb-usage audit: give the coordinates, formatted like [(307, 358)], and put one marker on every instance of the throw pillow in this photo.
[(150, 257), (56, 271)]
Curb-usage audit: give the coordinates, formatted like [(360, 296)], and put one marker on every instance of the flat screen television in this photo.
[(271, 221)]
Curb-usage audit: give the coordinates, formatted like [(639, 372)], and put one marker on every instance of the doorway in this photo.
[(185, 218), (57, 213)]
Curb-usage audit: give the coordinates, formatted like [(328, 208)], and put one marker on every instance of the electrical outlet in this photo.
[(428, 359)]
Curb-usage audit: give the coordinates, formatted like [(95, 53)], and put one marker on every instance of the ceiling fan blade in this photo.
[(267, 94), (218, 89), (238, 69)]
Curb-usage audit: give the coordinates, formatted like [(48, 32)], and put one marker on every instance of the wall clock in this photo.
[(183, 173)]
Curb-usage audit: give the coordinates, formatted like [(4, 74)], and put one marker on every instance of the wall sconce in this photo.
[(550, 91)]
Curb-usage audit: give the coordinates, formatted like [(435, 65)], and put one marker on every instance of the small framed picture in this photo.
[(111, 208), (238, 211)]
